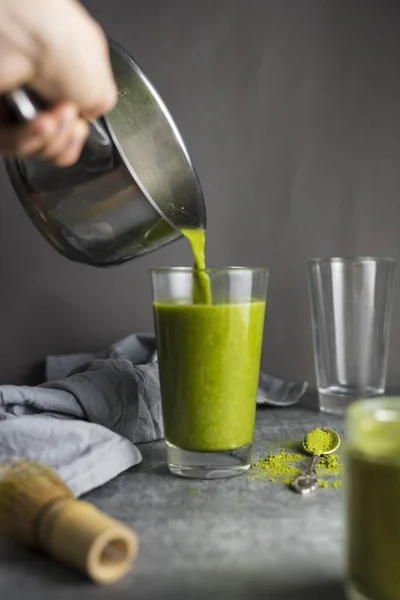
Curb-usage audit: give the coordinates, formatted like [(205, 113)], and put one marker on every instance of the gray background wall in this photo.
[(290, 109)]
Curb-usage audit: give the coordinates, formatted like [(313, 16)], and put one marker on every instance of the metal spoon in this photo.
[(307, 482)]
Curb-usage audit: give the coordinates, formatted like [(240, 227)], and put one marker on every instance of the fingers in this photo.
[(57, 49), (70, 153), (65, 145), (57, 135), (76, 64)]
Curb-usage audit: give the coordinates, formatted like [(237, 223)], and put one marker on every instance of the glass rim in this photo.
[(374, 406), (209, 270), (352, 259)]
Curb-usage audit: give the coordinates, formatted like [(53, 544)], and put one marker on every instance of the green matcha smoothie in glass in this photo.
[(373, 499), (209, 326)]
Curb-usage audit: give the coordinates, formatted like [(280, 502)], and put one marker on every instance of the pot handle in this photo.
[(24, 105)]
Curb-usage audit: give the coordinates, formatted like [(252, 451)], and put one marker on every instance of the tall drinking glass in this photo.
[(209, 360), (351, 301)]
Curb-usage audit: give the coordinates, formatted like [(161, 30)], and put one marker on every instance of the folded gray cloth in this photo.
[(141, 348), (92, 410)]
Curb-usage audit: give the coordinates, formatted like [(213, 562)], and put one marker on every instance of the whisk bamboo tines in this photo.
[(39, 510)]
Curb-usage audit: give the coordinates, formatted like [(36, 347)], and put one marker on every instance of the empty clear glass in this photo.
[(351, 301)]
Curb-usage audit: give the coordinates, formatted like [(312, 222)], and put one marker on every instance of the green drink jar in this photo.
[(373, 499)]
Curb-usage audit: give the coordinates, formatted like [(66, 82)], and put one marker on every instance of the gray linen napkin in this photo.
[(92, 410)]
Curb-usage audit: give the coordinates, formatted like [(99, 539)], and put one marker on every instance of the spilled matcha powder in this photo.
[(192, 491), (278, 466), (330, 463), (285, 465)]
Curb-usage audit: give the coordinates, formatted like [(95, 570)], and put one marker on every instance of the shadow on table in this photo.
[(51, 581), (322, 591), (326, 591), (35, 565), (309, 401)]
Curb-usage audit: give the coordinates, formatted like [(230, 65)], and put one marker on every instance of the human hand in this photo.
[(55, 48)]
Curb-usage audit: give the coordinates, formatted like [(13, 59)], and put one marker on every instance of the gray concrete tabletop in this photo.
[(242, 538)]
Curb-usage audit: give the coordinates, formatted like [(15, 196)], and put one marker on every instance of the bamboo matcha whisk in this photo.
[(40, 511)]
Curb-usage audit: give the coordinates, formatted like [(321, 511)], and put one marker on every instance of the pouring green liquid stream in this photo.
[(201, 281), (209, 357)]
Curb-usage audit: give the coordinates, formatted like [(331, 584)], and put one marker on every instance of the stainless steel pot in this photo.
[(133, 187)]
